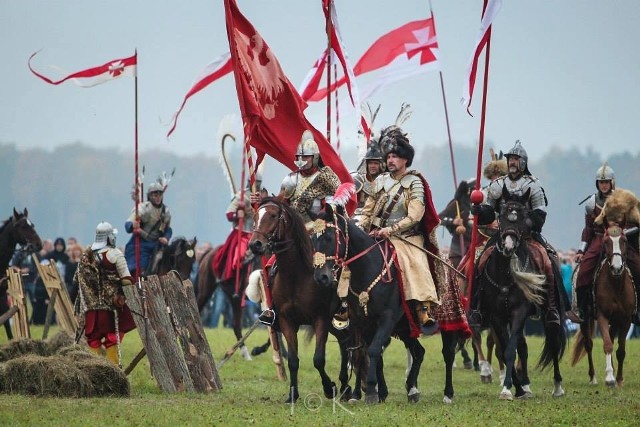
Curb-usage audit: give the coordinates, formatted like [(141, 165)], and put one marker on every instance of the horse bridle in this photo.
[(320, 258), (615, 231), (274, 238), (26, 246)]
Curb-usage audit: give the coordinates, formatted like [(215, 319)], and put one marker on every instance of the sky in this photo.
[(562, 73)]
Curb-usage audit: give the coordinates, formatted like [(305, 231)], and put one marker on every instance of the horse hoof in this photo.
[(448, 400), (468, 365), (245, 353), (610, 384), (371, 399), (291, 399), (593, 381), (345, 393), (331, 392), (525, 395), (413, 396), (486, 379), (353, 400), (506, 395)]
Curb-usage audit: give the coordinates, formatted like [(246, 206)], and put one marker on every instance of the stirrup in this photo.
[(475, 319), (267, 317), (574, 316), (552, 316), (340, 322)]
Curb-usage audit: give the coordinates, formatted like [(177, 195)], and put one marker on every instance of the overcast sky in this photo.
[(563, 73)]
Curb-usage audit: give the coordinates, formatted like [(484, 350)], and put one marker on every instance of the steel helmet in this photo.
[(518, 151), (105, 236), (155, 186), (606, 173), (308, 147)]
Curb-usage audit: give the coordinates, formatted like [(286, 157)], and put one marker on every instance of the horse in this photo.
[(375, 299), (615, 300), (207, 282), (295, 297), (178, 256), (510, 290), (17, 230)]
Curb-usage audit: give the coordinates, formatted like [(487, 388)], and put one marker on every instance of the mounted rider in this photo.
[(456, 218), (306, 190), (517, 182), (225, 261), (101, 274), (364, 177), (401, 210), (589, 253), (154, 229)]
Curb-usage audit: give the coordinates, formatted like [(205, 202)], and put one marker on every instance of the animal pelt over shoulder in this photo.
[(622, 207)]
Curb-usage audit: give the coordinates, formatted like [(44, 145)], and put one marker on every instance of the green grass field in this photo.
[(252, 395)]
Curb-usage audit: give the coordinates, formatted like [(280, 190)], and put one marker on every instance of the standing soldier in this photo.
[(401, 209), (101, 274), (154, 229)]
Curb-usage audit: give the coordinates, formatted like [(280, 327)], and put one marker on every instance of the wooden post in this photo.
[(15, 289), (49, 317), (62, 302)]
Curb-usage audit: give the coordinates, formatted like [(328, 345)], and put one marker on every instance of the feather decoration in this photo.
[(227, 129), (343, 193)]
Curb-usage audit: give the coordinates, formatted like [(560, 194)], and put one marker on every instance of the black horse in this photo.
[(178, 256), (375, 299), (512, 287), (17, 230)]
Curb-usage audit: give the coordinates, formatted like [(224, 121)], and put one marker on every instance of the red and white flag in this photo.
[(97, 75), (401, 53), (488, 15), (272, 109), (219, 67)]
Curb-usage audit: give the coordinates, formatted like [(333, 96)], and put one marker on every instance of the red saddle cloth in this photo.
[(226, 260)]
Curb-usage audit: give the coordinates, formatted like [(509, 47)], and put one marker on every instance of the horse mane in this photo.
[(4, 224), (298, 231), (175, 242)]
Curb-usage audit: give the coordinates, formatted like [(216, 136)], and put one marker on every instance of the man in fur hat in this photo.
[(400, 209), (596, 221), (518, 181)]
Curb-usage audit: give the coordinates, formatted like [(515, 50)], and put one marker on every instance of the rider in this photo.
[(225, 260), (460, 223), (518, 181), (101, 274), (363, 179), (154, 229), (306, 190), (588, 254), (401, 210)]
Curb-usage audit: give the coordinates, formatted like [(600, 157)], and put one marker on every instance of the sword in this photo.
[(431, 254)]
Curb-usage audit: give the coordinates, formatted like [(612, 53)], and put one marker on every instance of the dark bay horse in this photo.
[(207, 283), (179, 256), (375, 300), (296, 298), (17, 230), (510, 290), (615, 301)]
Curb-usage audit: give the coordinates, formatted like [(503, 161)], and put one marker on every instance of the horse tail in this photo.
[(531, 284), (579, 349), (555, 343), (206, 280)]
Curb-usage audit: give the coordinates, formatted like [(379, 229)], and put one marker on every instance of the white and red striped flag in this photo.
[(97, 75), (401, 53), (488, 15), (219, 67)]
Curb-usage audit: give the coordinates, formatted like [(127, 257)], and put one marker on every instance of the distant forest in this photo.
[(70, 189)]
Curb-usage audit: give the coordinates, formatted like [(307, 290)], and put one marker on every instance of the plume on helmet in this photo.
[(227, 128)]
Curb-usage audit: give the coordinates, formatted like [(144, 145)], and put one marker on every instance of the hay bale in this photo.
[(58, 341), (46, 376), (107, 379), (76, 352), (2, 378), (21, 347)]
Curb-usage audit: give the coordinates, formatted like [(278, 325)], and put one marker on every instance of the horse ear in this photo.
[(195, 241), (526, 195), (26, 212), (505, 192), (15, 213)]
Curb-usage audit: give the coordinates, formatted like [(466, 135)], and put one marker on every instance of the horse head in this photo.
[(269, 223), (329, 241), (513, 221), (615, 247), (23, 232)]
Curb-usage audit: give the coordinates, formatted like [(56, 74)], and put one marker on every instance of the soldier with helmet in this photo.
[(154, 229), (588, 254), (101, 274), (306, 190), (401, 209), (363, 179), (517, 182)]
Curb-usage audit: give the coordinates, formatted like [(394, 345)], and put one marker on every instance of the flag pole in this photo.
[(446, 117), (328, 26), (335, 79), (245, 152), (474, 231), (136, 235)]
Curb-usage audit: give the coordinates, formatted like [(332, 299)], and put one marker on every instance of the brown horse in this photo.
[(615, 303), (17, 230), (178, 256), (296, 298)]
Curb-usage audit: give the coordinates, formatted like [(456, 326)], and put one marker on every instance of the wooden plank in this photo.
[(21, 322), (49, 317), (157, 361), (190, 333)]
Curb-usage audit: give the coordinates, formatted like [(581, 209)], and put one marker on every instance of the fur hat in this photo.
[(621, 207), (495, 168), (393, 140)]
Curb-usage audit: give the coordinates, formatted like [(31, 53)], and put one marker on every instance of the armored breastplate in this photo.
[(149, 217), (399, 209), (300, 184)]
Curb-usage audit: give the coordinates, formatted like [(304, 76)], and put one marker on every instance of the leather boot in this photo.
[(475, 316), (112, 355), (552, 315)]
